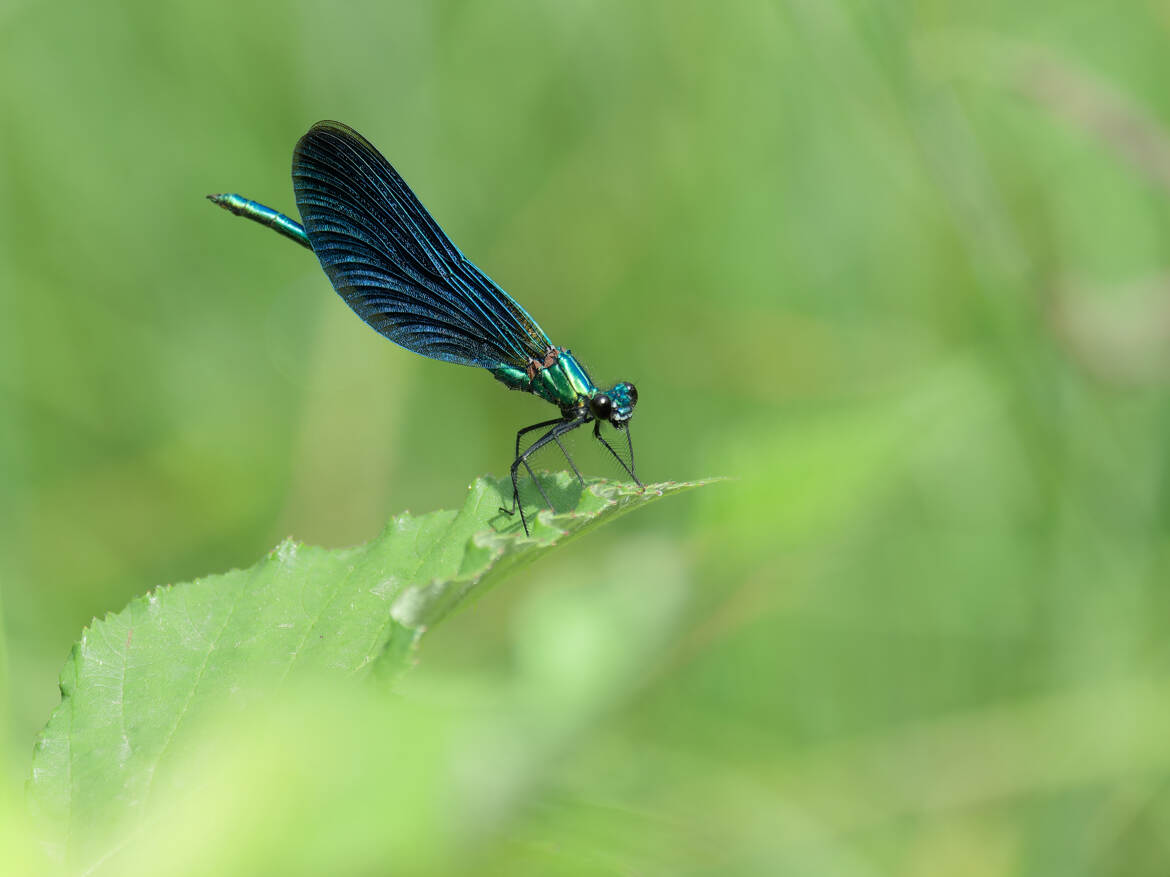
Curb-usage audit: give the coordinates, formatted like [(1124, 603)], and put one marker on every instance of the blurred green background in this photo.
[(900, 269)]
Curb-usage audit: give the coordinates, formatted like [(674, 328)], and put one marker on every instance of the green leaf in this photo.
[(139, 680)]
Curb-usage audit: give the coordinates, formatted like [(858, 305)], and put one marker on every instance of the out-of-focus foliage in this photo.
[(899, 269), (138, 681), (326, 778)]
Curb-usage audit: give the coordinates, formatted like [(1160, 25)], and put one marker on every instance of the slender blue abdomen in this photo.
[(257, 212)]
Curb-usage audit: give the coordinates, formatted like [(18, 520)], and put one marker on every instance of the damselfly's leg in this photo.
[(570, 459), (630, 447), (630, 468), (516, 456), (553, 435), (529, 429), (559, 445)]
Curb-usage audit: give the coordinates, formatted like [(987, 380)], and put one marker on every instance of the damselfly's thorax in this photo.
[(560, 379), (556, 377), (537, 365)]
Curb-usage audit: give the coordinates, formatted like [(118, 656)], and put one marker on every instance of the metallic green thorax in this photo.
[(564, 382)]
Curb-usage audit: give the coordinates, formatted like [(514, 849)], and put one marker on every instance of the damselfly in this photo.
[(391, 263)]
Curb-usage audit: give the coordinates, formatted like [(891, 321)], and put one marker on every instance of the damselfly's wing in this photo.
[(392, 263)]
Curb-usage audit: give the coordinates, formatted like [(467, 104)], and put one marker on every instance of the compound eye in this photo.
[(602, 406), (633, 391)]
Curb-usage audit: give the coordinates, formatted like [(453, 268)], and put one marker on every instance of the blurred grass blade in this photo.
[(139, 678), (4, 692)]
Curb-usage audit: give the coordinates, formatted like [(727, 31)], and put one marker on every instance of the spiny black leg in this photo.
[(523, 459), (559, 445), (570, 459), (562, 426), (516, 456), (516, 490), (597, 435), (555, 434), (539, 487), (630, 446), (528, 429)]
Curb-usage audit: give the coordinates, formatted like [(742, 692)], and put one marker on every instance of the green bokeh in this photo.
[(901, 270)]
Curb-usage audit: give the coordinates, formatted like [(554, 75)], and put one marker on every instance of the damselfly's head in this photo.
[(617, 405)]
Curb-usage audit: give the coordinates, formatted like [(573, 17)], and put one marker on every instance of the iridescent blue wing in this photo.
[(391, 263)]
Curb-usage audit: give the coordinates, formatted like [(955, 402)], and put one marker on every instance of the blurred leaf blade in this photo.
[(139, 678)]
